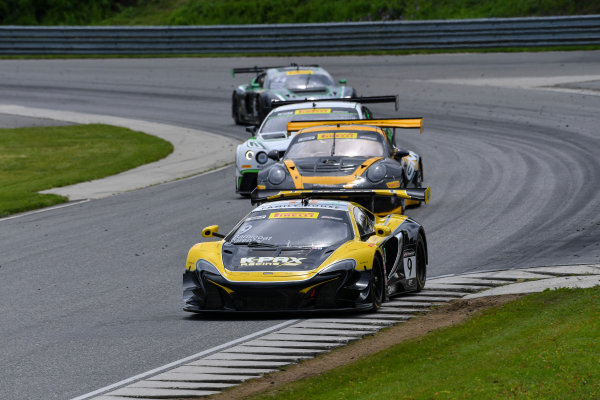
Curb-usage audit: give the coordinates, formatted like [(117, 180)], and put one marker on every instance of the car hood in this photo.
[(241, 258), (316, 92), (335, 165)]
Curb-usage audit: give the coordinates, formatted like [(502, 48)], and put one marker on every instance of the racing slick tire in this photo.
[(235, 110), (419, 181), (376, 285), (421, 262)]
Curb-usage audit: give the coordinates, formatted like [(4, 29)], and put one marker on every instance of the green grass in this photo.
[(543, 346), (229, 12), (35, 159)]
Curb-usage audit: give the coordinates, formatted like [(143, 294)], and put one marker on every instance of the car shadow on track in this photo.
[(272, 316)]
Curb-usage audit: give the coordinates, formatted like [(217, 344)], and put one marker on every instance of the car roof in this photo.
[(311, 204), (299, 68)]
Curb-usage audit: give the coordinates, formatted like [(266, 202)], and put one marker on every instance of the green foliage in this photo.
[(277, 11), (35, 159), (231, 12), (543, 346), (55, 12), (462, 9)]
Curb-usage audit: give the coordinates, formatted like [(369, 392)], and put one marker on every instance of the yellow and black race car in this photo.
[(306, 251), (354, 154)]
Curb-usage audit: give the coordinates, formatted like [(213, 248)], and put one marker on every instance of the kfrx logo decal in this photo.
[(270, 261)]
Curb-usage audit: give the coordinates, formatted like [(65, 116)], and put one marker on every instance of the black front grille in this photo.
[(271, 302), (310, 90), (325, 167)]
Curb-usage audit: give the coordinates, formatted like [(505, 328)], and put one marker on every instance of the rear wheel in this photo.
[(376, 284), (419, 181), (421, 262)]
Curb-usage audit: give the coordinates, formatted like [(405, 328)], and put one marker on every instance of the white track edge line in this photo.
[(184, 360), (44, 210), (27, 213)]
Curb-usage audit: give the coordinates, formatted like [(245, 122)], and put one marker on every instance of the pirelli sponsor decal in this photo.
[(338, 135), (270, 261), (294, 214), (313, 111), (300, 72)]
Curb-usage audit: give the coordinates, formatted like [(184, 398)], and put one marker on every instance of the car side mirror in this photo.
[(382, 230), (254, 84), (399, 154), (251, 130), (212, 231), (342, 81), (273, 155)]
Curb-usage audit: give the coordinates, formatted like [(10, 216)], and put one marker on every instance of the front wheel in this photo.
[(421, 262), (376, 285), (235, 110)]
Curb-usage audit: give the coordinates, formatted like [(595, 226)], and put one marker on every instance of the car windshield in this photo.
[(277, 121), (302, 81), (294, 227), (346, 144)]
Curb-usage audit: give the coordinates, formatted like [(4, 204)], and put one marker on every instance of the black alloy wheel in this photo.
[(376, 284), (421, 264), (235, 111)]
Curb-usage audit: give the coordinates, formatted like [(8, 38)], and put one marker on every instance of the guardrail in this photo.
[(290, 38)]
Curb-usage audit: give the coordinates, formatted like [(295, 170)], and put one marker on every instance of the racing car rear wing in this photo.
[(257, 70), (362, 100), (295, 126), (419, 194)]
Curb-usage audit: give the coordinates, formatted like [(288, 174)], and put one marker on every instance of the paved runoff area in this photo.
[(194, 151), (312, 336)]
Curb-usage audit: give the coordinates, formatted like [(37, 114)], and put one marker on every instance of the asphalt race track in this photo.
[(90, 294)]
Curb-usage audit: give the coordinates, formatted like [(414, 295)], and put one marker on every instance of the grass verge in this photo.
[(35, 159), (542, 346)]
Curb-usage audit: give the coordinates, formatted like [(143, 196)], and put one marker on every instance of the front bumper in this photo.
[(246, 182), (347, 289)]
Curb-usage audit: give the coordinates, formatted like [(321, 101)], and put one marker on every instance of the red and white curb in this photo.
[(295, 340)]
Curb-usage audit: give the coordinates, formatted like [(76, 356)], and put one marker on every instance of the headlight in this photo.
[(376, 173), (203, 265), (343, 265), (261, 157), (249, 155), (276, 175)]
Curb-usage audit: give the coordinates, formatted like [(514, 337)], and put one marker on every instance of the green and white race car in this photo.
[(251, 103)]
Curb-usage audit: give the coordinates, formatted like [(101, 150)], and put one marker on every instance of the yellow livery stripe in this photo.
[(306, 290), (313, 111), (343, 124), (293, 214), (338, 135)]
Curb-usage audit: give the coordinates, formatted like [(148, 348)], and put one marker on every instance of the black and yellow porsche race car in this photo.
[(307, 251), (355, 154)]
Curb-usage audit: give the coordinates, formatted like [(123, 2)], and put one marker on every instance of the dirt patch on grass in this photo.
[(449, 314)]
